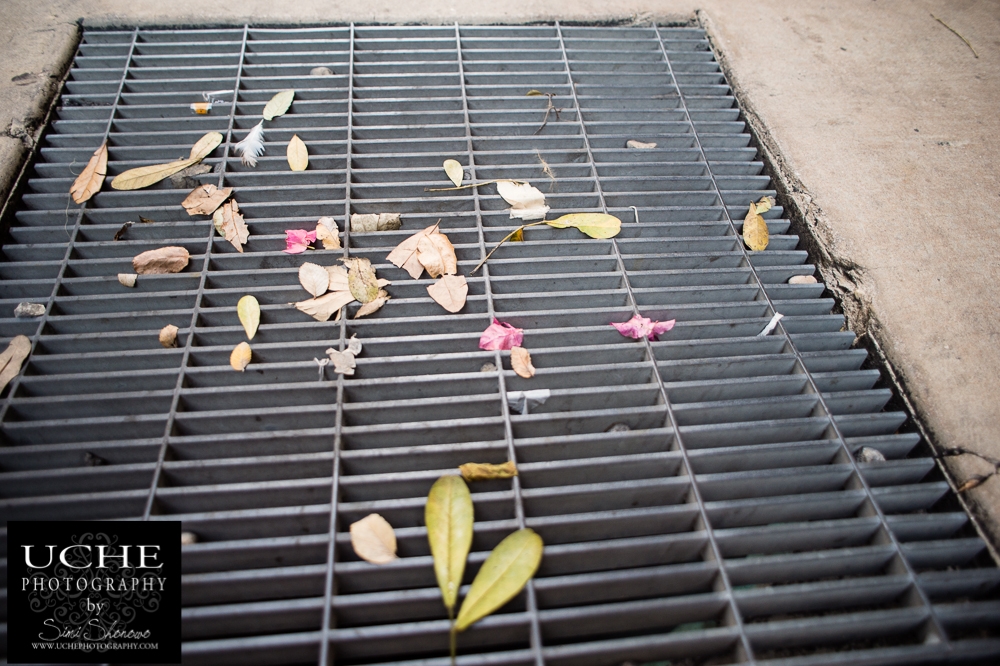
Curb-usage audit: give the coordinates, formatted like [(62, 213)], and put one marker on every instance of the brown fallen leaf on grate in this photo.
[(240, 358), (343, 361), (248, 310), (164, 260), (405, 254), (361, 279), (436, 254), (134, 179), (90, 180), (324, 307), (297, 154), (328, 233), (373, 305), (168, 336), (450, 292), (12, 358), (488, 471), (373, 539), (520, 361), (364, 223), (338, 279), (205, 199), (754, 227), (230, 223), (121, 232)]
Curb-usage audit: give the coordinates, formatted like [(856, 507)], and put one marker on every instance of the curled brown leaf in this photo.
[(436, 254), (230, 223), (405, 254), (205, 199), (90, 180), (520, 361), (164, 260), (450, 292), (373, 305)]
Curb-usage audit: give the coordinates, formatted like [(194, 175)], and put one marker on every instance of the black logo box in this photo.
[(94, 592)]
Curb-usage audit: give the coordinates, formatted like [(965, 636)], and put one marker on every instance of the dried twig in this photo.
[(550, 108), (958, 34), (519, 230), (975, 479)]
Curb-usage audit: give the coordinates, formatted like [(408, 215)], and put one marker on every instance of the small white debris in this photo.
[(127, 279), (771, 325), (29, 310), (639, 145), (188, 538), (320, 71), (867, 454), (802, 279), (522, 401)]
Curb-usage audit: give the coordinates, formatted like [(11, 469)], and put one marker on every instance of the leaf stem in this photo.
[(504, 240), (452, 635), (465, 187)]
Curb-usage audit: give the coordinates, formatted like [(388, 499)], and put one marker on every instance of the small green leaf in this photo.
[(533, 93), (448, 516), (278, 104), (595, 225), (508, 568)]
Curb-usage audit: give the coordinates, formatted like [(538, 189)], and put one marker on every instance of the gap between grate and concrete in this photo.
[(880, 121)]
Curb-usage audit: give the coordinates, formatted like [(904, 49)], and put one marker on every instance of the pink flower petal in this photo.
[(642, 327), (501, 335), (298, 240)]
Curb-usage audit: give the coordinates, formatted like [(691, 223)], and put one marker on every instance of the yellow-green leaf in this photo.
[(298, 154), (448, 516), (134, 179), (205, 145), (533, 93), (455, 171), (508, 568), (595, 225), (487, 471), (361, 279), (248, 310), (278, 104)]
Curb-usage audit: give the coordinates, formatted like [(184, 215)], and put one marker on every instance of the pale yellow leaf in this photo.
[(639, 145), (328, 233), (164, 260), (361, 279), (373, 539), (405, 254), (338, 278), (436, 254), (520, 361), (755, 230), (127, 279), (230, 223), (595, 225), (278, 105), (526, 202), (314, 279), (455, 171), (134, 179), (488, 471), (298, 154), (448, 516), (802, 279), (504, 573), (12, 358), (240, 358), (205, 199), (248, 310), (373, 305), (168, 336), (205, 145), (90, 180), (765, 204), (324, 307), (450, 292)]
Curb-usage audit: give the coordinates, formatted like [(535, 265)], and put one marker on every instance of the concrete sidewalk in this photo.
[(881, 121)]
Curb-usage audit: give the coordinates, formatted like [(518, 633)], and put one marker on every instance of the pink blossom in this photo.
[(501, 335), (638, 327), (298, 240)]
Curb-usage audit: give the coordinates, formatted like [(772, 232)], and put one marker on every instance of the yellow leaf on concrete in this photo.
[(488, 471), (455, 171), (450, 292), (248, 310), (520, 361), (89, 182), (278, 105), (240, 358), (373, 539), (298, 154)]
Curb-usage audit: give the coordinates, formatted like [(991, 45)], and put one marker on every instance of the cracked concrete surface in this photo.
[(880, 122)]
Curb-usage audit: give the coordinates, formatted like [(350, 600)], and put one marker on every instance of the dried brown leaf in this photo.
[(488, 471), (127, 279), (90, 180), (135, 179), (314, 278), (374, 305), (168, 336), (373, 539), (164, 260), (405, 254), (436, 254), (183, 180), (338, 279), (297, 153), (324, 307), (520, 361), (240, 358), (343, 361), (328, 233), (375, 222), (12, 358), (204, 199), (755, 230), (450, 292), (971, 483), (230, 223), (121, 232), (361, 279)]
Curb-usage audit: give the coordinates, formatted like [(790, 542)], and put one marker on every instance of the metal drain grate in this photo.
[(729, 523)]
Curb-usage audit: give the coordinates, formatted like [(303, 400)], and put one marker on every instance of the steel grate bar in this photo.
[(698, 495)]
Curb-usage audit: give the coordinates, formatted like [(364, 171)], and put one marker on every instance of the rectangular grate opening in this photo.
[(699, 496)]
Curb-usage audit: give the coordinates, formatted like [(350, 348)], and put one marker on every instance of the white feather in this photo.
[(252, 146)]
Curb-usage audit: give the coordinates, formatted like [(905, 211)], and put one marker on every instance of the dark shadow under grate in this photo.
[(698, 496)]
